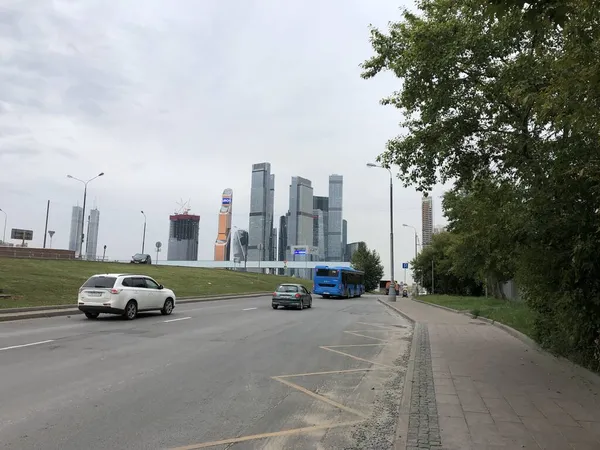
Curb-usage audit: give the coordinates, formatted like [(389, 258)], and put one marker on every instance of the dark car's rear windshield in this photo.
[(287, 288), (327, 273), (100, 282), (139, 256)]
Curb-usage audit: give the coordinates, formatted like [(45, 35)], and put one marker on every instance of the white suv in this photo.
[(124, 294)]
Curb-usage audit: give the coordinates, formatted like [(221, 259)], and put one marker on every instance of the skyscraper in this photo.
[(300, 223), (334, 232), (344, 240), (427, 219), (91, 241), (240, 245), (183, 237), (321, 225), (260, 228), (76, 229), (223, 242), (282, 244)]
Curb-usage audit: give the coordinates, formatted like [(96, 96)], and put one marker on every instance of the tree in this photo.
[(439, 259), (503, 102), (369, 262)]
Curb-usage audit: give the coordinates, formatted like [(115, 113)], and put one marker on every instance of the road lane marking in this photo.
[(356, 357), (175, 320), (330, 372), (248, 309), (320, 397), (324, 426), (365, 336), (27, 345), (354, 345)]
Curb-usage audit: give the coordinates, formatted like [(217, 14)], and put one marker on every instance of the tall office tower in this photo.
[(351, 249), (223, 242), (321, 215), (260, 228), (183, 237), (427, 219), (91, 241), (334, 232), (300, 223), (344, 240), (240, 245), (76, 229), (282, 243), (272, 243)]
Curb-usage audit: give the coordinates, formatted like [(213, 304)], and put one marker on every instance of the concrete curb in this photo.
[(401, 440), (38, 312), (579, 370)]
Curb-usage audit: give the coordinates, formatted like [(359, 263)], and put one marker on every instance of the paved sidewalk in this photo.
[(491, 391)]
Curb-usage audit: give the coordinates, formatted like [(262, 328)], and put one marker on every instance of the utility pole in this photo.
[(46, 228), (432, 278)]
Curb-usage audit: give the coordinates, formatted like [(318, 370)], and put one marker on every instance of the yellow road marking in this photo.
[(329, 372), (320, 397), (365, 336), (356, 357), (267, 435)]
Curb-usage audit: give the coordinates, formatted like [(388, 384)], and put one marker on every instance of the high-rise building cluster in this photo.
[(77, 236)]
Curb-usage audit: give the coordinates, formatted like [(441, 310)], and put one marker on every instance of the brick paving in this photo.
[(491, 391), (423, 425)]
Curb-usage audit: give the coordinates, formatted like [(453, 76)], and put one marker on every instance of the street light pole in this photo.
[(144, 235), (5, 220), (392, 291), (85, 183)]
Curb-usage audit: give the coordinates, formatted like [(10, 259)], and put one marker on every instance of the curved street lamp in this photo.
[(392, 291), (85, 183), (144, 235)]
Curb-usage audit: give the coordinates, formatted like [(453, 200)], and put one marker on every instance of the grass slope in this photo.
[(514, 314), (33, 282)]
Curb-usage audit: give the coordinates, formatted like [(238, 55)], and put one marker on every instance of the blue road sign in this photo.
[(405, 265)]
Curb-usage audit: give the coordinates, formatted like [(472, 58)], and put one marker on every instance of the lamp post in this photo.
[(392, 291), (416, 245), (144, 235), (5, 220), (85, 183)]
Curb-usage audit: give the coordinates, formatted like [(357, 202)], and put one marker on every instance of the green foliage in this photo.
[(502, 100), (445, 279), (369, 262)]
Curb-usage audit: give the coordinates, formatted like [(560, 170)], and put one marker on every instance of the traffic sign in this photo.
[(405, 265)]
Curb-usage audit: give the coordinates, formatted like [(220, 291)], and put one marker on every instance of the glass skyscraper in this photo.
[(334, 232), (260, 229)]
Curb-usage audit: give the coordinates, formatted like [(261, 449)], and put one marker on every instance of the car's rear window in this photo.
[(287, 288), (100, 282)]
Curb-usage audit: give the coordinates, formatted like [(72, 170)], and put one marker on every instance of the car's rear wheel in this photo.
[(167, 308), (275, 306), (130, 310), (301, 306), (92, 315)]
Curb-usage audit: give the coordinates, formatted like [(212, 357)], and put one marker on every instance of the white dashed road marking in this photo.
[(175, 320), (248, 309), (26, 345)]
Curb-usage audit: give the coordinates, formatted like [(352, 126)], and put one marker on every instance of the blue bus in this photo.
[(344, 282)]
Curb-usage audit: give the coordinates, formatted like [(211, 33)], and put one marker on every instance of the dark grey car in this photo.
[(291, 295)]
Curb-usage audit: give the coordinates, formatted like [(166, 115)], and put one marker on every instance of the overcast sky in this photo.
[(177, 99)]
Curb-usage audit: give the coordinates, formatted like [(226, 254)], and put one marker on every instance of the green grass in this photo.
[(32, 282), (514, 314)]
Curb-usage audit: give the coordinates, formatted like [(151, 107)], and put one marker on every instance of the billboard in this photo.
[(21, 235)]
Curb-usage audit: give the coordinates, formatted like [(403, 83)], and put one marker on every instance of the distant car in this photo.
[(124, 294), (291, 295), (141, 258)]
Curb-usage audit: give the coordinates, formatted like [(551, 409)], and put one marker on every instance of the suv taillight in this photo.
[(115, 291), (274, 294)]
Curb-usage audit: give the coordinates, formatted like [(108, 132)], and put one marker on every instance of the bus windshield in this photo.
[(333, 273)]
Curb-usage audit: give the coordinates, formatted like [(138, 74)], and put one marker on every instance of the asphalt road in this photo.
[(212, 375)]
